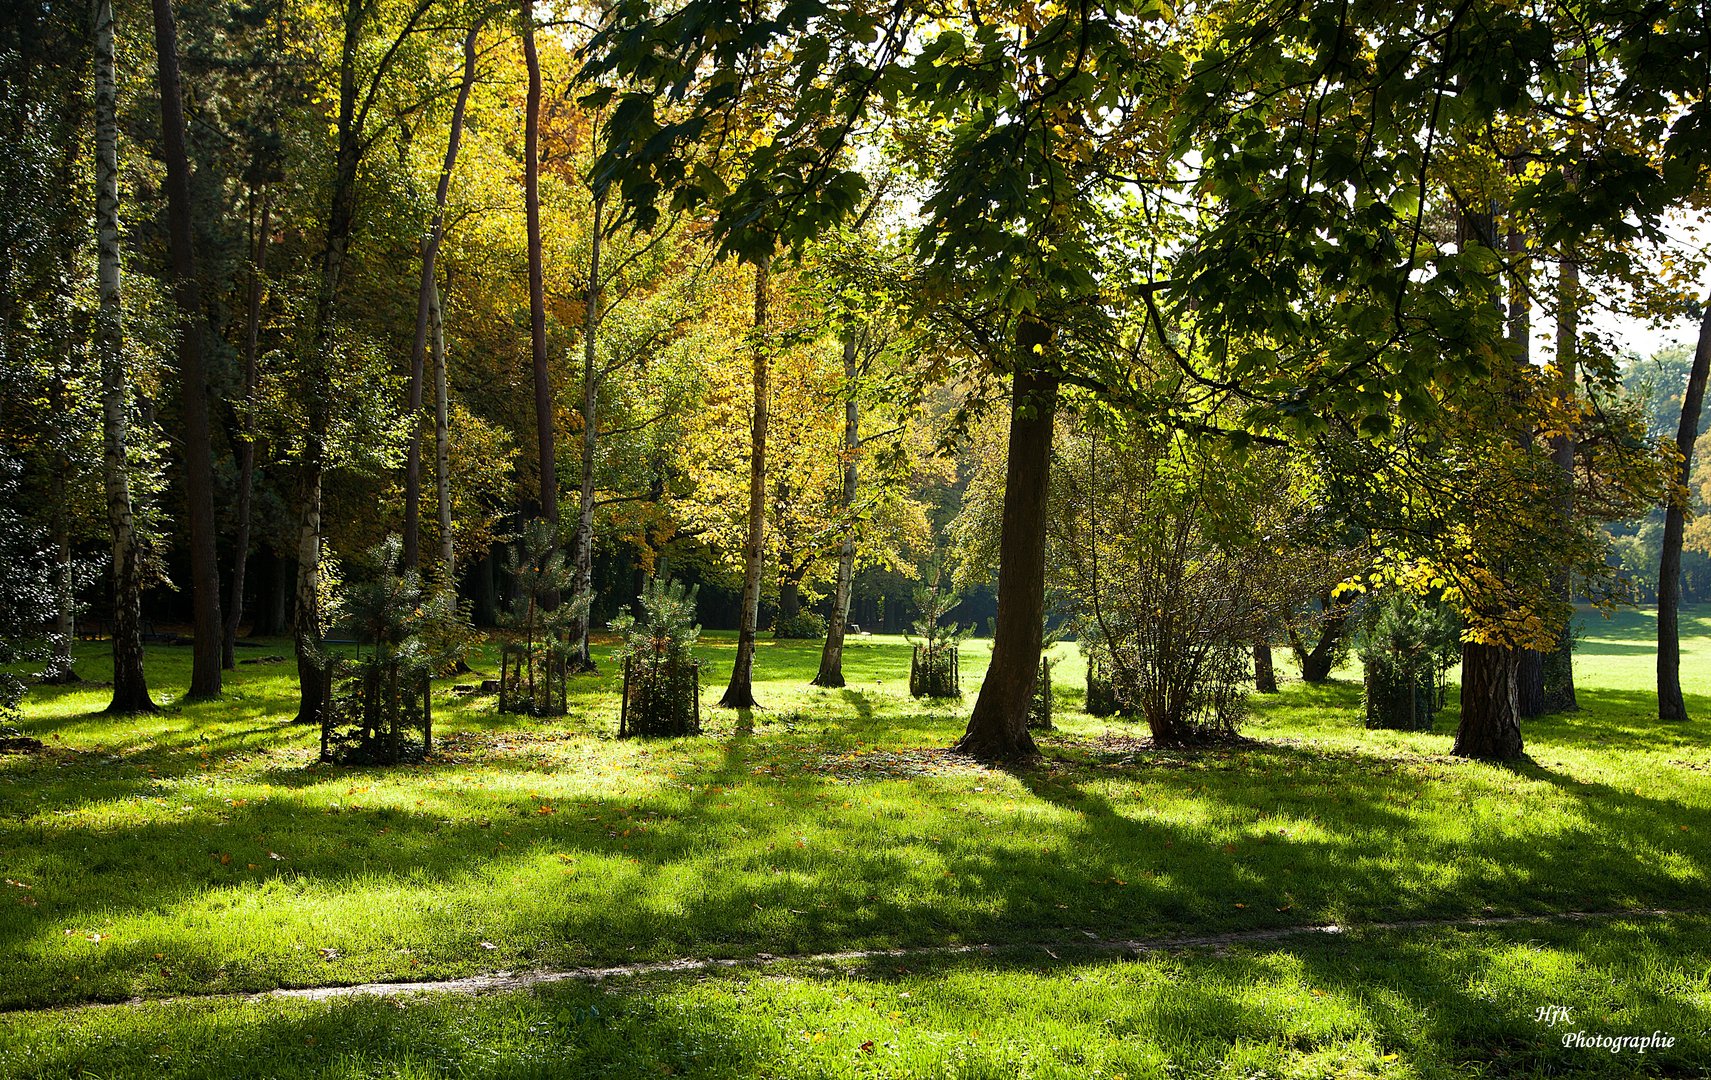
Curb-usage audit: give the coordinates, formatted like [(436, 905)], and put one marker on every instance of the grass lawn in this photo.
[(202, 850)]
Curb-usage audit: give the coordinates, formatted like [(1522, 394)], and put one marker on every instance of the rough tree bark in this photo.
[(582, 542), (259, 223), (537, 288), (130, 684), (314, 375), (442, 439), (1559, 690), (739, 694), (205, 671), (998, 727), (831, 673), (1265, 672), (1671, 706), (1318, 662), (424, 301), (1531, 684), (1490, 727)]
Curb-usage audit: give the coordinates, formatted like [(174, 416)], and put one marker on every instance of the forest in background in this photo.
[(1192, 331)]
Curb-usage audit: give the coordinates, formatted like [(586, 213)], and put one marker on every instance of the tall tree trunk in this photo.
[(442, 440), (740, 693), (1265, 672), (998, 727), (205, 672), (130, 685), (1671, 706), (582, 543), (789, 600), (831, 671), (1490, 728), (537, 286), (1531, 682), (424, 301), (1559, 683), (246, 455), (315, 373)]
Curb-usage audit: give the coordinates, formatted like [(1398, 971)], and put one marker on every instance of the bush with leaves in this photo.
[(662, 678), (1153, 543), (804, 625), (26, 591)]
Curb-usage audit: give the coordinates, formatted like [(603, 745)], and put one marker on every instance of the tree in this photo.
[(356, 99), (193, 384), (998, 727), (1013, 190), (130, 684), (831, 673), (260, 225), (426, 301), (739, 694), (537, 288), (1671, 706)]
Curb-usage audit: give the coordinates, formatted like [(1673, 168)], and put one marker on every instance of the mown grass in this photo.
[(203, 850)]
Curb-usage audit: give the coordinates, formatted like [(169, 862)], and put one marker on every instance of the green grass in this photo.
[(202, 850)]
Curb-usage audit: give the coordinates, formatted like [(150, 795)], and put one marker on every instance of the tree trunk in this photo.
[(537, 287), (1530, 683), (442, 439), (341, 213), (1317, 663), (424, 301), (831, 672), (306, 606), (998, 728), (1265, 673), (582, 544), (246, 455), (789, 601), (1490, 728), (1531, 688), (205, 672), (1671, 706), (1559, 685), (130, 685), (740, 693)]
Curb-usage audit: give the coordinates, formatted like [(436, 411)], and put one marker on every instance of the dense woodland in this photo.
[(1219, 338)]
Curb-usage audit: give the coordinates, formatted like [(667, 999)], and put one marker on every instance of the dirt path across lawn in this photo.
[(1056, 949)]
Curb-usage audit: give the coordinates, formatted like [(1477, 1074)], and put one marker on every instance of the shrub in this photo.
[(662, 678), (803, 625), (1406, 646), (536, 661), (26, 593), (1168, 583), (933, 666), (379, 701)]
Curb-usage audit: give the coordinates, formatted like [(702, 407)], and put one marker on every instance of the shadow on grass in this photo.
[(1445, 1003), (759, 844)]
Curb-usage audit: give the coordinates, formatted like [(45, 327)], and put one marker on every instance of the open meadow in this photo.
[(180, 860)]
